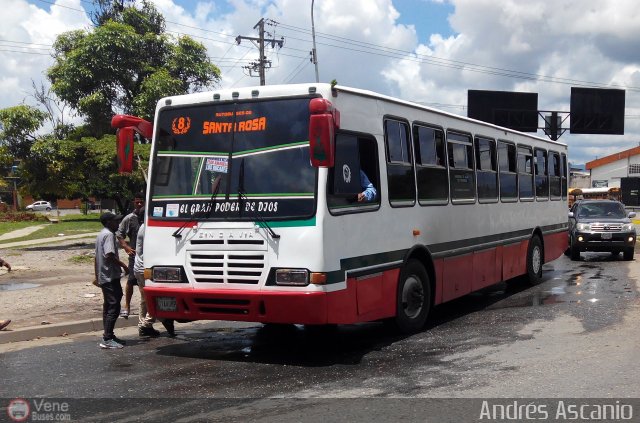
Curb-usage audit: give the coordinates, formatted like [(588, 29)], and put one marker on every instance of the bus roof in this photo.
[(254, 92)]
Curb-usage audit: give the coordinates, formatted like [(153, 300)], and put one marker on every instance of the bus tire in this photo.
[(628, 254), (535, 260), (413, 299)]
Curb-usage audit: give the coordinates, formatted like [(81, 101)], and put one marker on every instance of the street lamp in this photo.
[(314, 54)]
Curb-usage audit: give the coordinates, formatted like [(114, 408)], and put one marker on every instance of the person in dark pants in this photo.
[(107, 273), (3, 263), (146, 321), (128, 228)]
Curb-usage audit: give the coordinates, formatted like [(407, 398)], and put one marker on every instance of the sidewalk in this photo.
[(44, 288)]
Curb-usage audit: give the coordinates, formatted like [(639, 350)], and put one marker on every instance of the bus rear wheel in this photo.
[(535, 260), (413, 298)]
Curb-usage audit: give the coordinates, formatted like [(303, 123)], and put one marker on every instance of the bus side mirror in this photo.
[(323, 122), (124, 148), (126, 125), (632, 215), (143, 127), (570, 214)]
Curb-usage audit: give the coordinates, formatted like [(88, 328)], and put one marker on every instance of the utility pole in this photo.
[(314, 53), (262, 63)]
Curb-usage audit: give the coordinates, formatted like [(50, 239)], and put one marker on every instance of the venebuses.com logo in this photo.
[(21, 410), (18, 410)]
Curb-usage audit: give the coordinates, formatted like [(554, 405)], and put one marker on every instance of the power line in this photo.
[(383, 51), (25, 52), (59, 5), (379, 50), (289, 77)]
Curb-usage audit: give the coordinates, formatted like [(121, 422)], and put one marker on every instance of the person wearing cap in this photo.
[(107, 269), (128, 228)]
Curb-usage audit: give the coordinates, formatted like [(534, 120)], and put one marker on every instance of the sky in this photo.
[(427, 51)]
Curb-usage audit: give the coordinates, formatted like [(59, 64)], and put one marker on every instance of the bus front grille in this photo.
[(231, 267)]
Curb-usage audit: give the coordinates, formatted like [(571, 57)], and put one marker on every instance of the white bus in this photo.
[(252, 210)]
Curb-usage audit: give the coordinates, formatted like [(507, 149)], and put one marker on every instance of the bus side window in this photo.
[(525, 173), (507, 170), (400, 179), (555, 175), (461, 168), (431, 171), (542, 174), (487, 169), (353, 154)]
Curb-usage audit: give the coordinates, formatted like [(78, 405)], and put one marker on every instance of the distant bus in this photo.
[(252, 210), (603, 193)]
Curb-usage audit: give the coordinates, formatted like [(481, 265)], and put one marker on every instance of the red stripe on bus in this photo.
[(555, 245), (170, 223)]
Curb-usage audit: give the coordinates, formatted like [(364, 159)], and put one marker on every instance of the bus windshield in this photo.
[(206, 155)]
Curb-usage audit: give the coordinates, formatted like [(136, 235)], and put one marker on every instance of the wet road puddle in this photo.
[(17, 286)]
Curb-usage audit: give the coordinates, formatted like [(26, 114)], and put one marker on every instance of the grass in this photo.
[(71, 224), (84, 258)]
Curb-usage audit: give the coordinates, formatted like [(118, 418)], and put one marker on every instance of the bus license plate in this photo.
[(166, 303), (606, 236)]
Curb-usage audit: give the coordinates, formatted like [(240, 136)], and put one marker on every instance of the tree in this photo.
[(126, 64), (81, 169), (54, 110), (18, 127)]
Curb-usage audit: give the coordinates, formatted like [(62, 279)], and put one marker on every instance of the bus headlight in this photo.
[(627, 227), (167, 274), (292, 277), (583, 226)]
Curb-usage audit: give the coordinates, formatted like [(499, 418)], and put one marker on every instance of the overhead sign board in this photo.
[(515, 110), (597, 111)]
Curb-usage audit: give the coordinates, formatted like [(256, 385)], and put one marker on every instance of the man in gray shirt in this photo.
[(107, 273)]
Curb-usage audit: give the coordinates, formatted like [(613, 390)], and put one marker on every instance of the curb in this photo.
[(61, 329)]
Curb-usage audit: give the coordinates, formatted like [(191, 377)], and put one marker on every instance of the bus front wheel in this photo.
[(413, 298), (535, 260)]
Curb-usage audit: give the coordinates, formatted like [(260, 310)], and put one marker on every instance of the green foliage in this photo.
[(158, 85), (19, 124), (126, 64), (81, 169)]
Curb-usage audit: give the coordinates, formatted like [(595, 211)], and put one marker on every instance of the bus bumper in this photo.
[(238, 305)]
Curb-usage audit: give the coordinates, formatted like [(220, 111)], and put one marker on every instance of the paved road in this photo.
[(574, 335)]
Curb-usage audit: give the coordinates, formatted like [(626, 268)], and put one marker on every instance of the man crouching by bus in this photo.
[(107, 267), (145, 320)]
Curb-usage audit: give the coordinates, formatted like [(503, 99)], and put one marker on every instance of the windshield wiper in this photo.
[(216, 189), (242, 197)]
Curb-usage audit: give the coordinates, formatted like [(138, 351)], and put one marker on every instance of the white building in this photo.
[(607, 171), (579, 179)]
